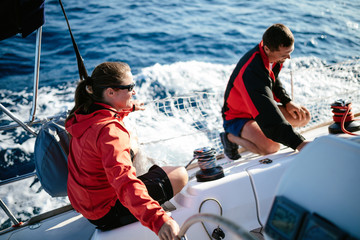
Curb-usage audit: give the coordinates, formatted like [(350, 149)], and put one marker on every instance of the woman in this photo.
[(102, 182)]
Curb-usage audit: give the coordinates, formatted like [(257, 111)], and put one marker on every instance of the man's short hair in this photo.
[(278, 35)]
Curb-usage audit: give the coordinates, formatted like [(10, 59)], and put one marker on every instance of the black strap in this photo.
[(96, 107), (82, 70)]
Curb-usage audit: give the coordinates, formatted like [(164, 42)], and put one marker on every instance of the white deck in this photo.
[(246, 185)]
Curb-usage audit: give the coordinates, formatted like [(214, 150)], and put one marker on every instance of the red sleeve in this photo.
[(114, 144)]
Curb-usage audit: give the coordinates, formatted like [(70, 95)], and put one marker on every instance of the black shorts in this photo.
[(159, 188)]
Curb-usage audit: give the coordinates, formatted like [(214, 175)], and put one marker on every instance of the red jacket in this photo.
[(101, 171), (252, 92)]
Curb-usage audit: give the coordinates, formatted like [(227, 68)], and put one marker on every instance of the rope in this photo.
[(80, 62), (343, 114), (206, 158)]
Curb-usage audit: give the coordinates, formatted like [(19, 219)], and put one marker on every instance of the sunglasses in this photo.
[(129, 87)]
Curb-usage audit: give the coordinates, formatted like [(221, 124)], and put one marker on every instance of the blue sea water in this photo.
[(143, 33), (173, 47)]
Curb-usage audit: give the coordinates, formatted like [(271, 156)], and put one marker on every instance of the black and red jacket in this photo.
[(253, 92)]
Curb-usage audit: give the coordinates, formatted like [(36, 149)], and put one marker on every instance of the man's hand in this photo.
[(297, 111), (302, 145), (169, 230)]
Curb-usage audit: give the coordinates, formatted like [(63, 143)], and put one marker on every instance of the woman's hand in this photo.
[(137, 105), (169, 230)]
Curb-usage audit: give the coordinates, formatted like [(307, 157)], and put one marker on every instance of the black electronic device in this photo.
[(315, 227), (285, 219)]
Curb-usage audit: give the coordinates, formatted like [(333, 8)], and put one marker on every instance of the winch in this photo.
[(209, 171), (343, 118)]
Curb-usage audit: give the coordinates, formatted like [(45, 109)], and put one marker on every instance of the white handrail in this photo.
[(8, 212), (225, 223), (23, 125), (36, 73)]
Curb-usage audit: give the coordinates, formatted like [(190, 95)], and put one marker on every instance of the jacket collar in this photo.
[(99, 113), (98, 106), (266, 61)]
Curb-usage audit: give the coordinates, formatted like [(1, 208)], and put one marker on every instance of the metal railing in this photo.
[(35, 90), (238, 231), (22, 124)]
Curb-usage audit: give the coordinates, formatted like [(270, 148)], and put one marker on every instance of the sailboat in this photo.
[(311, 194)]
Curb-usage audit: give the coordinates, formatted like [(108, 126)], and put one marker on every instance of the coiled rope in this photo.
[(343, 114), (206, 158)]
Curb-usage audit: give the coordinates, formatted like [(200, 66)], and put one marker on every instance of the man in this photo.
[(252, 115)]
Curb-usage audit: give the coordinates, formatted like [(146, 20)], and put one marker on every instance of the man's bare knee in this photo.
[(299, 123), (269, 148), (304, 121)]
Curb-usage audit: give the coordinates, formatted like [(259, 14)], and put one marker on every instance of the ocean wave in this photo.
[(167, 131)]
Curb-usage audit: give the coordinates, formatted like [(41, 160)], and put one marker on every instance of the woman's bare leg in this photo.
[(178, 177)]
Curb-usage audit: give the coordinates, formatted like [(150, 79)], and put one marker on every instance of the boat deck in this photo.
[(247, 182)]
